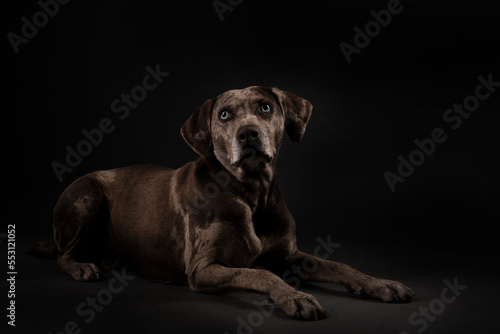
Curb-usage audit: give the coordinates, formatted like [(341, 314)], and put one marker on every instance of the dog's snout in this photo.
[(250, 145), (248, 134)]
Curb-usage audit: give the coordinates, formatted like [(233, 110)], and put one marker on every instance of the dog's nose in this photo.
[(248, 134)]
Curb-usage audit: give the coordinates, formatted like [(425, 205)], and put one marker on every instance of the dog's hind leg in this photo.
[(81, 217)]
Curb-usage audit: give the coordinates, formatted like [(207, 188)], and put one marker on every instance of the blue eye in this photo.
[(224, 115), (265, 107)]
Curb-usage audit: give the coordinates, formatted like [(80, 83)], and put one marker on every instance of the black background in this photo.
[(365, 115)]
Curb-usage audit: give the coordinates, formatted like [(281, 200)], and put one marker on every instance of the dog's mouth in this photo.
[(251, 157)]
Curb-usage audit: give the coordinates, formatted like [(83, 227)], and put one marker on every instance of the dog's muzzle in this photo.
[(251, 146)]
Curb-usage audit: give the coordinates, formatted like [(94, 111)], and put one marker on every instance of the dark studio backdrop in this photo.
[(380, 75)]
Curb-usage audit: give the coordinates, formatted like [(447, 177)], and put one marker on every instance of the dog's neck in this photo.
[(256, 185)]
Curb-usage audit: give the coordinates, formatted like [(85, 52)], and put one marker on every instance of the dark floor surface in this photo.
[(50, 302)]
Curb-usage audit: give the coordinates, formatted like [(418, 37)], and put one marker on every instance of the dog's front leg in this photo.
[(294, 303), (352, 279)]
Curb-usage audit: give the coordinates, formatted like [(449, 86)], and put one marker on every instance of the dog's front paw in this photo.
[(84, 272), (301, 305), (387, 290)]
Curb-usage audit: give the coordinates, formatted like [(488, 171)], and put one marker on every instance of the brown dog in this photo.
[(212, 221)]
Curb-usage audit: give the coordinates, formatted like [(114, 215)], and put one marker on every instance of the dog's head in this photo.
[(244, 128)]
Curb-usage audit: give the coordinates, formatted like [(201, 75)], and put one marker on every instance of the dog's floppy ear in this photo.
[(196, 130), (297, 113)]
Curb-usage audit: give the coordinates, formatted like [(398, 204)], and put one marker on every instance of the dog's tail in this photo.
[(44, 250)]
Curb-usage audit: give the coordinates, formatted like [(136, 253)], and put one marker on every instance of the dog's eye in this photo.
[(265, 107), (224, 115)]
